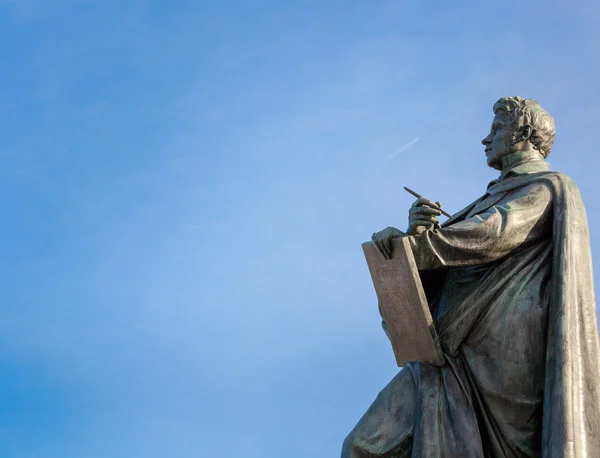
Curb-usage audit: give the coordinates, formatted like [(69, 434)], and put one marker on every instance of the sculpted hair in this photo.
[(523, 112)]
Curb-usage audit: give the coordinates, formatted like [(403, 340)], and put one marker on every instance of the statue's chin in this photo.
[(494, 163)]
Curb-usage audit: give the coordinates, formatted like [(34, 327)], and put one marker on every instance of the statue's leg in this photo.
[(386, 429)]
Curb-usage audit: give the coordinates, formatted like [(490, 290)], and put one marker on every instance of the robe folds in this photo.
[(510, 285)]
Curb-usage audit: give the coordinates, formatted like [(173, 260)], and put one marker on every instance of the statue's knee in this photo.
[(359, 446), (349, 446), (354, 448)]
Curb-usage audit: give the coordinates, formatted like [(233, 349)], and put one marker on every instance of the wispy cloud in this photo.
[(394, 154), (401, 150)]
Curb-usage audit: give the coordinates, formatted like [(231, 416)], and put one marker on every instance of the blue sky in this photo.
[(186, 186)]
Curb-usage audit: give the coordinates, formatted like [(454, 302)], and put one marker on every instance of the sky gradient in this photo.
[(186, 186)]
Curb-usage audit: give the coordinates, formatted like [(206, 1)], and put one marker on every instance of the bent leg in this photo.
[(386, 429)]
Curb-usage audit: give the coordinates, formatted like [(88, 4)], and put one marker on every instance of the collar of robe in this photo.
[(523, 162)]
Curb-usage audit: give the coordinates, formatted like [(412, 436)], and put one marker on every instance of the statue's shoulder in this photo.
[(559, 176), (533, 183), (562, 180), (562, 186)]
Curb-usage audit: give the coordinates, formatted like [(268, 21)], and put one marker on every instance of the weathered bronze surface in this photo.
[(510, 288)]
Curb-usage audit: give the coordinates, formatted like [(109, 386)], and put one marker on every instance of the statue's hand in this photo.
[(422, 215), (383, 240)]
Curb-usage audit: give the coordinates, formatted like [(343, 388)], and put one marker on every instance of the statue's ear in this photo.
[(526, 132)]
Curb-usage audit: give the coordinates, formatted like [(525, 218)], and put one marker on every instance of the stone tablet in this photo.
[(403, 304)]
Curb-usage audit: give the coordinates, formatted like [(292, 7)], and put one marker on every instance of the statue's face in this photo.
[(498, 143)]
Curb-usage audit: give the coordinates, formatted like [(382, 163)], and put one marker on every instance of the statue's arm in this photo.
[(421, 216), (519, 220)]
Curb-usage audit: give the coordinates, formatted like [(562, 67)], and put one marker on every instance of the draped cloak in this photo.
[(509, 281)]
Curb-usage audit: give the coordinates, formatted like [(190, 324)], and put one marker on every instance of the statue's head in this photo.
[(519, 125)]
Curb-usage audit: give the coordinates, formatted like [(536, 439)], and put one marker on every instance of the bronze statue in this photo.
[(510, 287)]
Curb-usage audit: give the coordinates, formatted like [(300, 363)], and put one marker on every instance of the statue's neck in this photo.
[(513, 160)]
